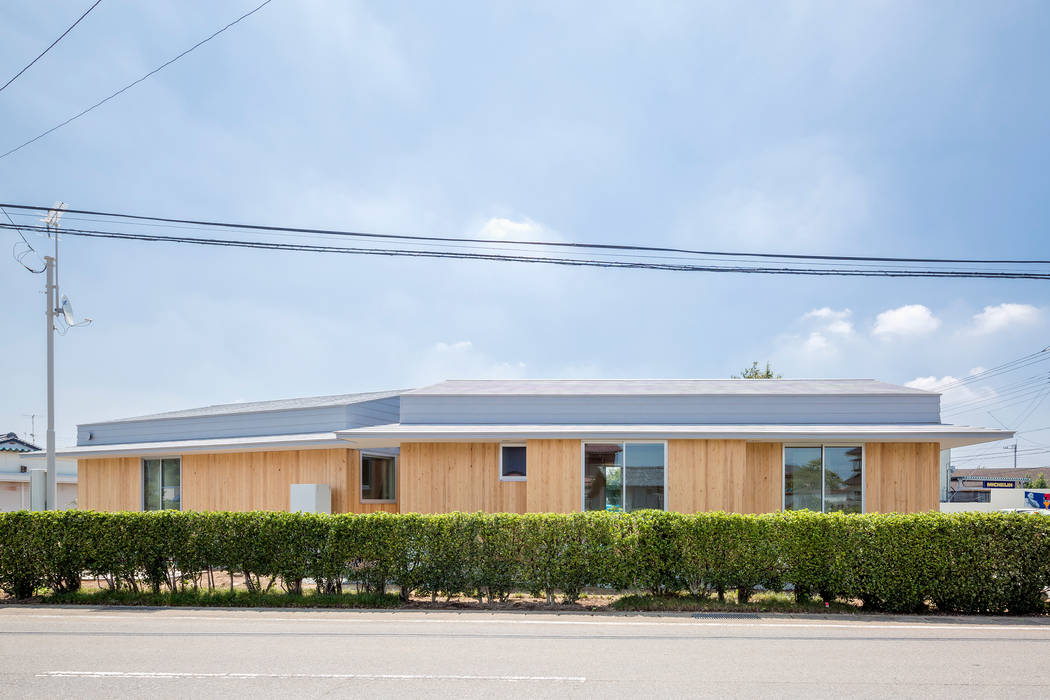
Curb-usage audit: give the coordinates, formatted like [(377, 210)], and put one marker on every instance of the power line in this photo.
[(29, 247), (1023, 452), (575, 262), (560, 244), (997, 405), (1029, 385), (1004, 368), (136, 82), (485, 245), (50, 47)]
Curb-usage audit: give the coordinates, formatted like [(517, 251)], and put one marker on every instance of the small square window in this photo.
[(512, 463), (378, 478)]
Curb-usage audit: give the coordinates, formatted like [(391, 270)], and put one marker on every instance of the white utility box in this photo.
[(310, 498), (38, 489)]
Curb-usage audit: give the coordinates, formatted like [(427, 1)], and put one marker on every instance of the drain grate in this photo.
[(726, 616)]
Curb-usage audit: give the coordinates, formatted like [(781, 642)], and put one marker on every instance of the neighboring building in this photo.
[(15, 464), (991, 488), (749, 446)]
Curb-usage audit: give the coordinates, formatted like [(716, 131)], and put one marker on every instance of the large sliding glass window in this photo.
[(620, 476), (826, 478), (162, 484)]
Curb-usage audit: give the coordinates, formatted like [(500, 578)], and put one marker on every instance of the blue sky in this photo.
[(846, 128)]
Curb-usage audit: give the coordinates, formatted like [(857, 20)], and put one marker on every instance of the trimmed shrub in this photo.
[(959, 563)]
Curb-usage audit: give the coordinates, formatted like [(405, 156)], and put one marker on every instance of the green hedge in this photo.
[(968, 563)]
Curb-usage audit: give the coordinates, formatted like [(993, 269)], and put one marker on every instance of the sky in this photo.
[(862, 128)]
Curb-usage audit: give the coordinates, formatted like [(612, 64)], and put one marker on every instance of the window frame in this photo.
[(361, 476), (142, 481), (823, 479), (513, 478), (624, 443)]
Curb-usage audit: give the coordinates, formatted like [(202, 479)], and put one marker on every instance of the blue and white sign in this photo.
[(1037, 499)]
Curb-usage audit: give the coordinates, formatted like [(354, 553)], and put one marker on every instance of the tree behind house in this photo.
[(756, 372)]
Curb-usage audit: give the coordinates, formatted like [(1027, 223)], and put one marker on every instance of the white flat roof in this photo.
[(947, 435), (394, 434)]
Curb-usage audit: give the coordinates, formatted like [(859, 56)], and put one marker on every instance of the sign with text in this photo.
[(1001, 484)]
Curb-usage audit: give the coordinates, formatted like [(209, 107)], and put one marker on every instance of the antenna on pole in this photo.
[(32, 426)]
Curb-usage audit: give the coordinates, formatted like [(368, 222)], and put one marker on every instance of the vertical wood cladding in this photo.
[(441, 477), (109, 483), (702, 475), (232, 481), (555, 468), (901, 477), (729, 475)]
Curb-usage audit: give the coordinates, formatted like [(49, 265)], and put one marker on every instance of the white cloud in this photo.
[(931, 383), (840, 327), (952, 394), (827, 313), (460, 346), (817, 343), (830, 320), (500, 229), (912, 319), (1004, 316)]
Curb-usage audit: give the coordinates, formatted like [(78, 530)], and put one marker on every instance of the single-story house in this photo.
[(18, 458), (742, 445)]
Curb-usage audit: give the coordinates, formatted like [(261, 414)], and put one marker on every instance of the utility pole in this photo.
[(1014, 448), (65, 310), (51, 264)]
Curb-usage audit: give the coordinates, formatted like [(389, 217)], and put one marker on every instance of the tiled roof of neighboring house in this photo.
[(993, 473), (12, 443), (259, 406), (664, 387)]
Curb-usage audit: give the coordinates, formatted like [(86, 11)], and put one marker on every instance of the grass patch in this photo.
[(225, 599), (760, 602)]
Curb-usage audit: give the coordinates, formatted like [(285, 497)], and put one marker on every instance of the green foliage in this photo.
[(1039, 482), (958, 563), (756, 372)]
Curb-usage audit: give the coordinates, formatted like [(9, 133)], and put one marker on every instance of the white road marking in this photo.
[(322, 676), (388, 619)]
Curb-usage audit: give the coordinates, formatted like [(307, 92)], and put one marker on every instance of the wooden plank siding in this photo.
[(901, 477), (702, 475), (232, 481), (764, 477), (442, 477), (109, 483), (709, 475), (554, 469)]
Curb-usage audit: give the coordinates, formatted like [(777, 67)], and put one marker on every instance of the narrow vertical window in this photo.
[(802, 478), (162, 484), (378, 478), (843, 487)]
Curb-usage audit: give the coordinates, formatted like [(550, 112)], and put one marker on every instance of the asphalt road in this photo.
[(121, 652)]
